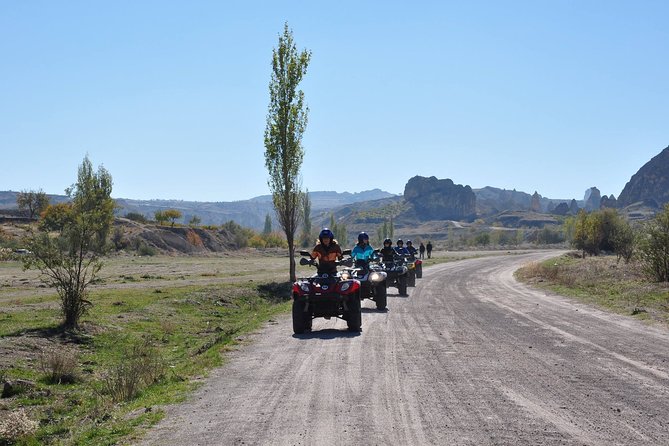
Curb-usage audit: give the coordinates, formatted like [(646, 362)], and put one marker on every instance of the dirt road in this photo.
[(469, 358)]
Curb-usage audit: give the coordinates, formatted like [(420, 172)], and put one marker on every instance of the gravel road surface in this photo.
[(471, 357)]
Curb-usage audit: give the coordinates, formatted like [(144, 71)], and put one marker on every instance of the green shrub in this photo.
[(654, 246), (145, 250), (603, 230), (140, 365), (136, 216)]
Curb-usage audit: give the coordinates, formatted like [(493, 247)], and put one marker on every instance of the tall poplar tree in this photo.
[(286, 123)]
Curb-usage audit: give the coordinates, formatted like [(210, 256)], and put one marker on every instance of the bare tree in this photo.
[(286, 123)]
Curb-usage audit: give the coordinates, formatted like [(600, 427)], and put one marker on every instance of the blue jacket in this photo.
[(401, 251), (360, 253)]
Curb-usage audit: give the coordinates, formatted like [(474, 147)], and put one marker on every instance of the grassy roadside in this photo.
[(138, 349), (603, 282)]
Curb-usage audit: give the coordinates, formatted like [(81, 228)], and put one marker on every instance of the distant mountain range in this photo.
[(424, 199), (250, 213)]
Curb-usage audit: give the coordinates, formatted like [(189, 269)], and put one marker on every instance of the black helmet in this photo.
[(409, 242), (387, 241), (362, 236), (400, 241), (325, 233)]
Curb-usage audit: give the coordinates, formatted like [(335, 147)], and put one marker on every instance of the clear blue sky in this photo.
[(171, 96)]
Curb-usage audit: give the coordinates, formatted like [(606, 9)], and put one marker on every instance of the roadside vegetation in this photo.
[(147, 341), (89, 357), (618, 266)]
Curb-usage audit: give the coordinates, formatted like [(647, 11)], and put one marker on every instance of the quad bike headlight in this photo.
[(377, 277), (345, 286), (305, 287)]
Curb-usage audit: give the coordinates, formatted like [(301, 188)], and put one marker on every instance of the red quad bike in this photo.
[(325, 295)]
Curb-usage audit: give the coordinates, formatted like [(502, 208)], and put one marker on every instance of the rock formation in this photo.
[(535, 205), (573, 207), (592, 199), (650, 184), (608, 202), (561, 209), (435, 199)]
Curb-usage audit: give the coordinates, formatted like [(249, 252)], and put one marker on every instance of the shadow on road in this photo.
[(373, 310), (327, 333)]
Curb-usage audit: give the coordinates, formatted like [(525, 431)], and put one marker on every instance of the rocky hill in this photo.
[(650, 184), (434, 199)]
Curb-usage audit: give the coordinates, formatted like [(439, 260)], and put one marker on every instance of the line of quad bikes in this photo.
[(340, 295)]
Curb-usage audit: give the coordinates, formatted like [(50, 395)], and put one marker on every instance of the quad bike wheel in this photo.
[(402, 285), (381, 296), (300, 317), (354, 314), (419, 271), (411, 278)]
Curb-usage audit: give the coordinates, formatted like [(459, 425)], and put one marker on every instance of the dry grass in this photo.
[(618, 286), (15, 426), (194, 239), (59, 365), (140, 366)]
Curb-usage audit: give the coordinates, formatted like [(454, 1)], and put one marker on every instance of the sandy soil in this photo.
[(471, 357)]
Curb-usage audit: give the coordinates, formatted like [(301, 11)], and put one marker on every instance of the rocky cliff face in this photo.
[(593, 199), (608, 202), (650, 184), (435, 199)]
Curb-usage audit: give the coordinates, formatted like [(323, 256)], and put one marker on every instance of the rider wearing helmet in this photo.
[(412, 251), (362, 251), (400, 249), (327, 251), (387, 252)]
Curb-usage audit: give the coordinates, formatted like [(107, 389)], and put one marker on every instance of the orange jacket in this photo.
[(327, 256)]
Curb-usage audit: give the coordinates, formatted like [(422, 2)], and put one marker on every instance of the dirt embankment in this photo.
[(174, 240), (129, 235)]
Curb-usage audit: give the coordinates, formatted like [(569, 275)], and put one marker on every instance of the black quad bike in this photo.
[(372, 280), (397, 272), (325, 295)]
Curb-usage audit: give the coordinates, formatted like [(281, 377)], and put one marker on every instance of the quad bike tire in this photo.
[(381, 296), (354, 314), (419, 271), (402, 285), (300, 323), (411, 278)]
